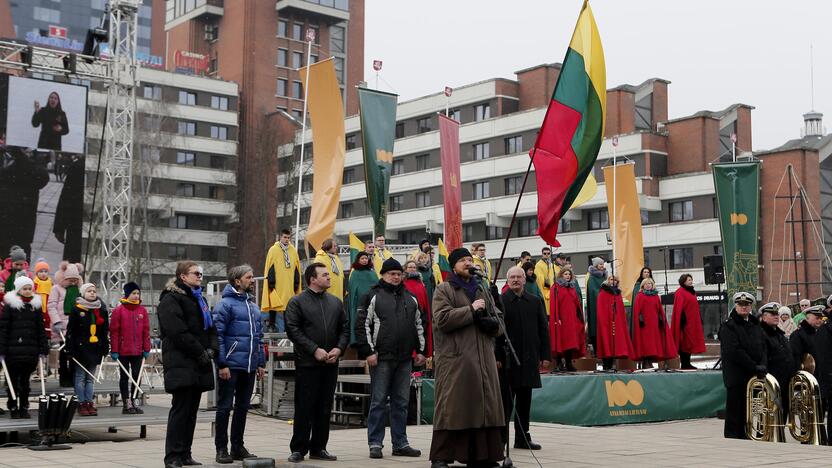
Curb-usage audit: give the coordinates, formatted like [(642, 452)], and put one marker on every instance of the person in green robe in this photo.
[(362, 277), (531, 281), (596, 276), (645, 272)]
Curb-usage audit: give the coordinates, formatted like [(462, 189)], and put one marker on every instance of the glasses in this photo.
[(198, 274), (547, 253)]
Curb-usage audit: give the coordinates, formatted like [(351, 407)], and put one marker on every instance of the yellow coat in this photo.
[(545, 272), (485, 265), (336, 287), (287, 280), (43, 287), (379, 259)]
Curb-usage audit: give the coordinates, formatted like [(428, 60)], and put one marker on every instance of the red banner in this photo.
[(451, 187)]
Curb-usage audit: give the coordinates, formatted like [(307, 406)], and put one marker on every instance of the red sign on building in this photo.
[(198, 63), (57, 31)]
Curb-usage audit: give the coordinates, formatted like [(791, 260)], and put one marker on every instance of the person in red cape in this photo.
[(413, 283), (566, 329), (612, 336), (652, 340), (687, 322)]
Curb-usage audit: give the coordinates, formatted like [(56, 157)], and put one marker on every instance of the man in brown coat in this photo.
[(468, 417)]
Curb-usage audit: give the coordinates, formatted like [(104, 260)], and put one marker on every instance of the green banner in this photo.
[(603, 399), (378, 131), (738, 197)]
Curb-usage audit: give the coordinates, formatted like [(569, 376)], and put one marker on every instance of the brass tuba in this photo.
[(764, 417), (805, 415)]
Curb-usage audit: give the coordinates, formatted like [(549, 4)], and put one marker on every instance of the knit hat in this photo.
[(391, 264), (130, 287), (457, 255), (597, 261), (84, 287), (16, 254), (22, 281), (785, 311), (41, 265), (73, 270)]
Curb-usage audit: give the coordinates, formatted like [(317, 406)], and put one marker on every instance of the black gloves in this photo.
[(546, 284), (487, 325), (761, 371), (641, 321), (204, 360)]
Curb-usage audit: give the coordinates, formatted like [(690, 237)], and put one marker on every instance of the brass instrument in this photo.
[(805, 414), (808, 363), (764, 417)]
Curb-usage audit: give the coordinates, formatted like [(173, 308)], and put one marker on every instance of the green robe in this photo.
[(360, 281), (429, 280), (531, 288), (593, 287), (636, 289)]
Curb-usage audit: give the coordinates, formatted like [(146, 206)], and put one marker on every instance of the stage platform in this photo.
[(597, 399)]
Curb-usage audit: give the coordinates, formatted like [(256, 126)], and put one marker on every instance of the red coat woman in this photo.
[(687, 322), (413, 283), (651, 335), (612, 335), (566, 330)]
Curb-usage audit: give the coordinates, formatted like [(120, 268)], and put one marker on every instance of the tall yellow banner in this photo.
[(625, 224), (326, 115)]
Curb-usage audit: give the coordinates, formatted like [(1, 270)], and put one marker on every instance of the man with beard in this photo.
[(468, 417)]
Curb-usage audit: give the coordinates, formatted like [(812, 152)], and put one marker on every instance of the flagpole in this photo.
[(303, 135), (514, 216), (614, 207)]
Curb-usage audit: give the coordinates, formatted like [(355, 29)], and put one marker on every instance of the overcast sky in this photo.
[(714, 53)]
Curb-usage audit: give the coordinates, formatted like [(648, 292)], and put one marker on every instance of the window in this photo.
[(482, 112), (645, 217), (218, 132), (339, 69), (282, 59), (337, 35), (423, 125), (644, 113), (349, 176), (482, 151), (493, 232), (185, 190), (189, 99), (467, 232), (153, 92), (456, 114), (422, 199), (527, 227), (47, 15), (219, 102), (176, 252), (396, 202), (681, 210), (187, 128), (681, 258), (647, 257), (281, 86), (398, 166), (718, 249), (185, 159), (481, 190), (179, 222), (297, 31), (399, 130), (313, 58), (314, 27), (297, 114), (307, 184), (297, 90), (304, 215), (297, 59), (564, 225), (209, 253), (513, 185), (599, 219), (216, 192), (346, 210), (514, 144), (351, 141), (282, 28), (422, 161)]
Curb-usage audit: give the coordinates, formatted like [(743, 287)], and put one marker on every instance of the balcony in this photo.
[(179, 11), (331, 11)]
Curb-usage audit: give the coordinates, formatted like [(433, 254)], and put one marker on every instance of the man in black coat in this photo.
[(780, 362), (526, 326), (743, 354), (189, 345), (822, 345), (21, 179), (320, 331), (802, 340)]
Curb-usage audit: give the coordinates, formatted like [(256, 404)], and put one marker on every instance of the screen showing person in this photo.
[(45, 115)]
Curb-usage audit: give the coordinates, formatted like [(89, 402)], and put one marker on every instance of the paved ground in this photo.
[(683, 443)]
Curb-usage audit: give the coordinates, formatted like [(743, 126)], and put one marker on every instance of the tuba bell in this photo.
[(808, 363), (805, 414), (764, 416)]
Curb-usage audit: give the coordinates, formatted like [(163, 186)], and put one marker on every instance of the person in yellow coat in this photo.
[(545, 270), (283, 280), (478, 250), (380, 255), (328, 256)]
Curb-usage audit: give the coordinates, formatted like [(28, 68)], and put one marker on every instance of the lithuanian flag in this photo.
[(356, 246), (444, 264), (570, 136)]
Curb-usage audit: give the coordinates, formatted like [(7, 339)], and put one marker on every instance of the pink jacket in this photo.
[(7, 270), (129, 330), (55, 308)]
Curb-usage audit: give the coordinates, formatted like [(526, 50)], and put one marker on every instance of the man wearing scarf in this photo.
[(282, 281), (328, 256), (468, 417)]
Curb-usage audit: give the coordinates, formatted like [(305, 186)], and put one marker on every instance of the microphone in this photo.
[(474, 272)]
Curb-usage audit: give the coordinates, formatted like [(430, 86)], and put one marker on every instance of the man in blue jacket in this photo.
[(241, 358)]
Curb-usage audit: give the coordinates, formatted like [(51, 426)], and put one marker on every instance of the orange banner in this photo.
[(326, 116), (625, 225)]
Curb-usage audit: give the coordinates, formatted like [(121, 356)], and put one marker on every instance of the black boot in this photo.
[(223, 457), (136, 408)]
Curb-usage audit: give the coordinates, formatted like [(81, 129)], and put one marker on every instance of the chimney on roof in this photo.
[(813, 124)]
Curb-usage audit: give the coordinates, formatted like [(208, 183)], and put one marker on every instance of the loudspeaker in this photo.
[(714, 270)]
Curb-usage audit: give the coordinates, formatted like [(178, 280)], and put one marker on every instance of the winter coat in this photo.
[(282, 281), (566, 321), (652, 337), (687, 322), (336, 275), (22, 334), (389, 324), (378, 259), (79, 336), (184, 339), (485, 267), (69, 215), (742, 349), (21, 179), (530, 287), (55, 308), (802, 342), (239, 332), (46, 118), (429, 280), (780, 362), (612, 339), (822, 345), (358, 285), (467, 388), (43, 288), (316, 320), (129, 330), (545, 273), (6, 273), (594, 279), (527, 328)]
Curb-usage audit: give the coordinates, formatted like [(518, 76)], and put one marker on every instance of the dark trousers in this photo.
[(522, 405), (314, 392), (181, 423), (237, 391), (66, 369), (134, 363), (20, 373), (735, 412), (684, 360)]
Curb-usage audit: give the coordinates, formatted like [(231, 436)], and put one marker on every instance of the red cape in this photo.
[(566, 325), (654, 340), (417, 288), (691, 339), (612, 341)]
